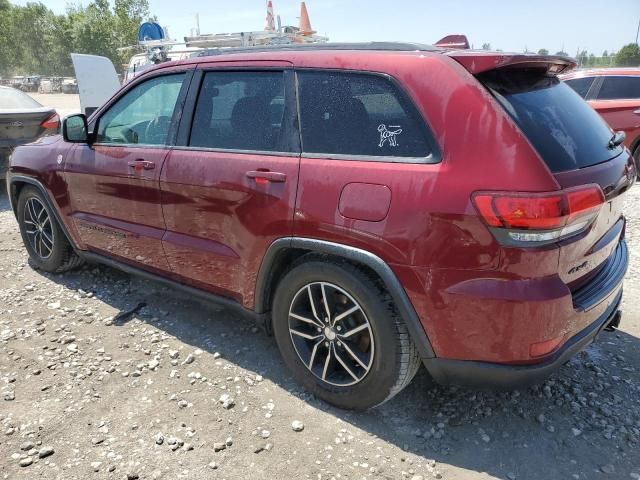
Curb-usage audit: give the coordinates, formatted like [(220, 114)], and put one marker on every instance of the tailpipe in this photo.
[(613, 325)]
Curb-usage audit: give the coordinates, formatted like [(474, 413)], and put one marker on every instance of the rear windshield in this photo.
[(567, 133), (15, 99)]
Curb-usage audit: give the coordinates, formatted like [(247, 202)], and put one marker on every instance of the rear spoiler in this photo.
[(457, 42), (478, 62)]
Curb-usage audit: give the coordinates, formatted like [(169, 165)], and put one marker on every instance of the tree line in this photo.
[(627, 56), (34, 40)]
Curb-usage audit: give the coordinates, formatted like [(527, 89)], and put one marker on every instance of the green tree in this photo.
[(543, 51), (32, 37), (562, 53), (6, 52), (628, 56), (486, 46)]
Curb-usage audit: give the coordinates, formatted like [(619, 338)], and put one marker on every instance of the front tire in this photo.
[(339, 334), (46, 243), (636, 159)]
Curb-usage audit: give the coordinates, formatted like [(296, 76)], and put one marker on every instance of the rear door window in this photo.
[(361, 115), (618, 88), (580, 85), (567, 133), (241, 111)]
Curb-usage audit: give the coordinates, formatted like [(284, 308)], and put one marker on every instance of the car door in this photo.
[(113, 183), (618, 102), (229, 185)]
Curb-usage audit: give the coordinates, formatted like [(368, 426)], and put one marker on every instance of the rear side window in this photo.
[(359, 114), (580, 85), (240, 111), (567, 133), (616, 88)]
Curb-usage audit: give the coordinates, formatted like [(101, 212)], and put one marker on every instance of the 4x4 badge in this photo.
[(387, 135)]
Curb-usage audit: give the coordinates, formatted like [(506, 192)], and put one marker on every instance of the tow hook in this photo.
[(613, 325)]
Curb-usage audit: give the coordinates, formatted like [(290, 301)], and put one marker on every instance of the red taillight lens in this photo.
[(555, 214), (53, 122), (538, 213), (583, 201)]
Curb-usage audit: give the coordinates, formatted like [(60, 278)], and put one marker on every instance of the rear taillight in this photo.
[(539, 218), (53, 122)]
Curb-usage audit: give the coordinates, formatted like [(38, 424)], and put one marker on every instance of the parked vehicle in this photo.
[(50, 85), (376, 205), (615, 94), (69, 85), (22, 120), (30, 83)]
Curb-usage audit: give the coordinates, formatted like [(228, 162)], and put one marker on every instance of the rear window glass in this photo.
[(617, 88), (15, 99), (580, 85), (240, 111), (567, 133), (359, 114)]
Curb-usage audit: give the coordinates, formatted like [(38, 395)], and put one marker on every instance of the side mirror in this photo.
[(74, 129)]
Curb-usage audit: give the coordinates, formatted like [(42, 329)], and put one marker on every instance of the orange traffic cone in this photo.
[(305, 23), (270, 26)]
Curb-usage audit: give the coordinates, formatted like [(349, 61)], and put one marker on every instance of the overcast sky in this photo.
[(594, 25)]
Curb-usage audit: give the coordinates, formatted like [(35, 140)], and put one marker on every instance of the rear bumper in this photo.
[(501, 376)]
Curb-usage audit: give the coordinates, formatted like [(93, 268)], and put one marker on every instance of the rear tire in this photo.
[(358, 360), (48, 247)]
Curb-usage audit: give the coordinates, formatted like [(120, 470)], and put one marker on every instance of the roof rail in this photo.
[(362, 46)]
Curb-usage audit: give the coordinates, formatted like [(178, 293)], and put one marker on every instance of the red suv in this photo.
[(615, 94), (378, 206)]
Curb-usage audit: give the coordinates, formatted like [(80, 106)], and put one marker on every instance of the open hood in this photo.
[(97, 80)]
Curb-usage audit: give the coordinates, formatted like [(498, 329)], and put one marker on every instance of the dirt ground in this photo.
[(65, 104), (185, 390)]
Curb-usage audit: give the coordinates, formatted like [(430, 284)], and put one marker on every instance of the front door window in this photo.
[(143, 115)]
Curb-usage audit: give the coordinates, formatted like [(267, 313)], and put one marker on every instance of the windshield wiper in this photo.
[(617, 139)]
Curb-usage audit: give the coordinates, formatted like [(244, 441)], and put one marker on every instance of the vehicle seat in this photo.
[(251, 124), (333, 119)]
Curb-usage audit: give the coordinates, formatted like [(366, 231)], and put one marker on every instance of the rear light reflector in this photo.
[(546, 347), (53, 122), (539, 218)]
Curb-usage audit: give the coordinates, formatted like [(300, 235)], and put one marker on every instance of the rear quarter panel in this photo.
[(432, 236)]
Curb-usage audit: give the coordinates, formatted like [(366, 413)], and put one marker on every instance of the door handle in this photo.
[(637, 112), (141, 164), (265, 176)]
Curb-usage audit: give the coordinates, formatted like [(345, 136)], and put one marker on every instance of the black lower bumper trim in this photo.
[(505, 377)]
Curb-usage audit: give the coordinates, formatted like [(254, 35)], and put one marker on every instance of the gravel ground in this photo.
[(187, 390)]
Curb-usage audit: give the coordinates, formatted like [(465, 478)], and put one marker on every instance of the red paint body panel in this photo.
[(198, 216), (221, 222), (621, 115), (115, 208)]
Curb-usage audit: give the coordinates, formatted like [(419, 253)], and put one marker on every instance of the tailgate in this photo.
[(580, 151), (581, 258)]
